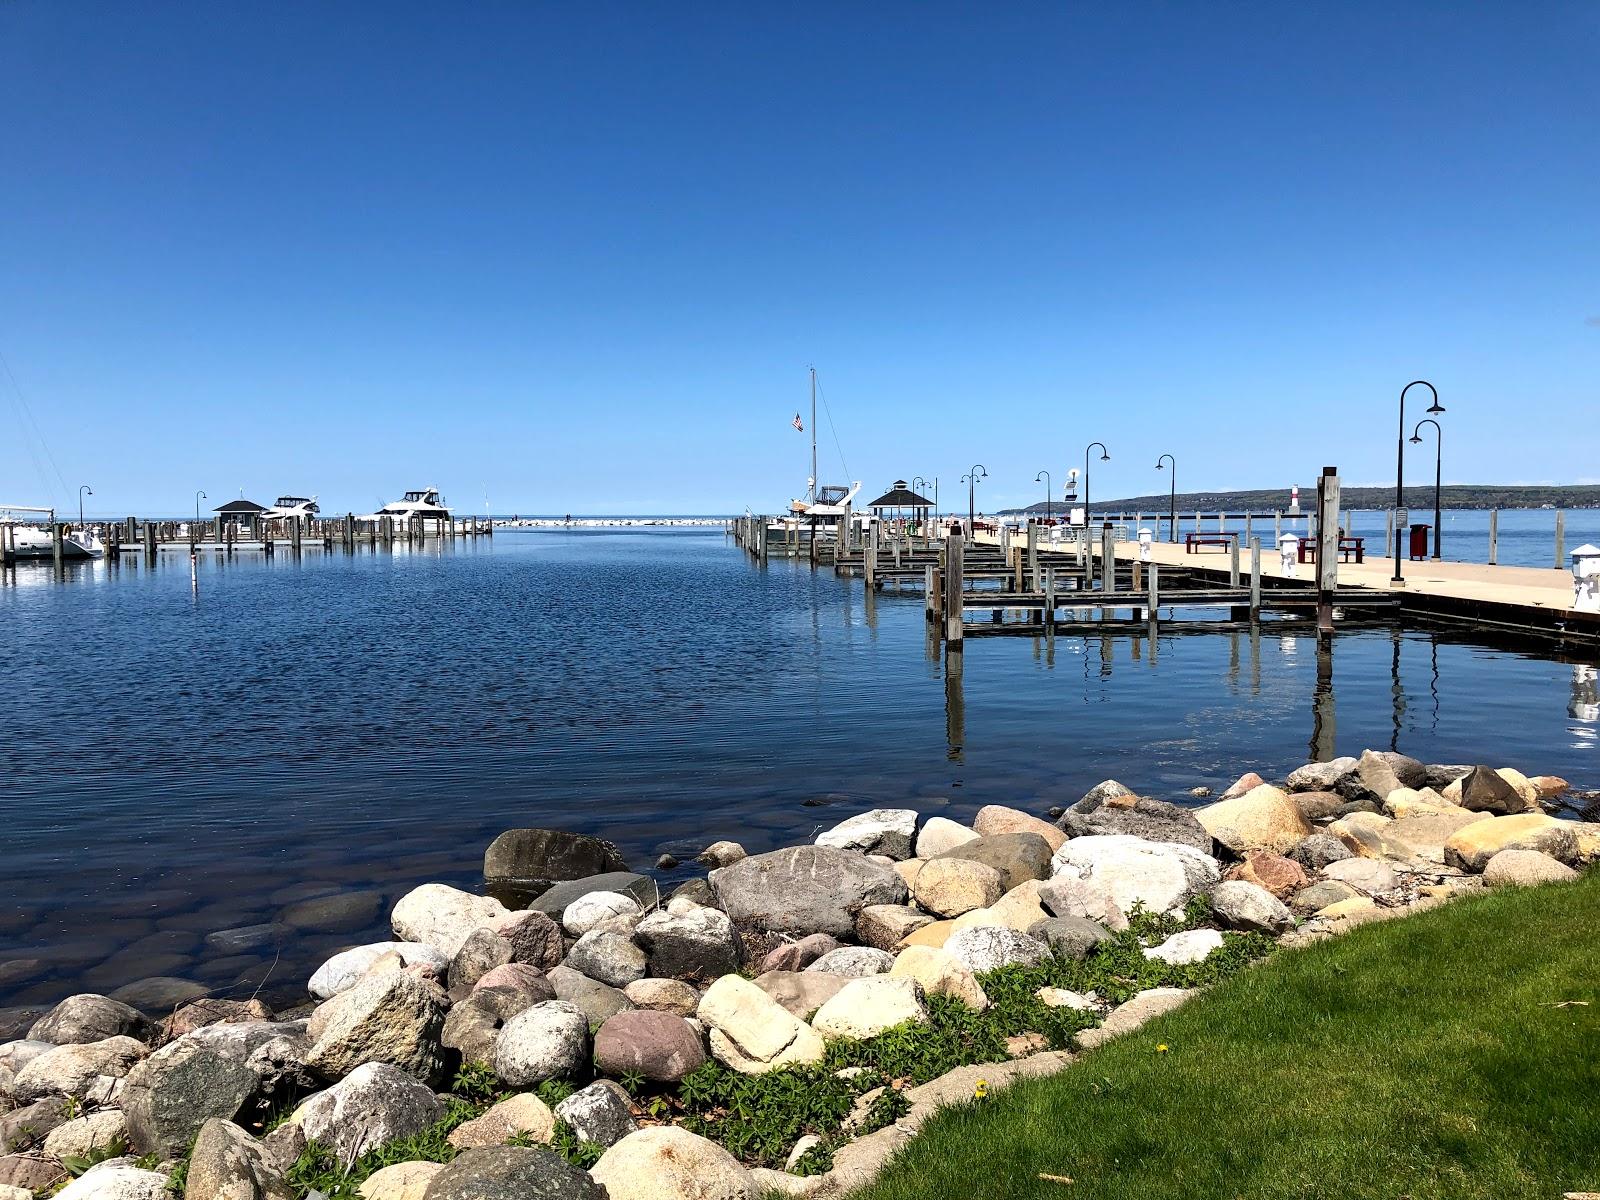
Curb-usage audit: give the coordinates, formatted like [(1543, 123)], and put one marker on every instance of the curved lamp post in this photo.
[(1438, 456), (1172, 497), (917, 484), (979, 471), (82, 488), (1105, 456), (198, 496), (1045, 475), (1400, 469)]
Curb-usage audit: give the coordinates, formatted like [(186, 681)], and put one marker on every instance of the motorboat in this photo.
[(34, 541), (290, 507), (423, 504)]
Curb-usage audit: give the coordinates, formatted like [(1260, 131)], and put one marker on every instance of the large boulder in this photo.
[(948, 887), (1321, 776), (78, 1070), (807, 889), (658, 1045), (1017, 909), (534, 937), (482, 952), (864, 1008), (348, 967), (595, 1000), (442, 916), (1161, 876), (593, 909), (117, 1180), (1484, 790), (1264, 818), (993, 819), (370, 1107), (1137, 816), (1280, 876), (601, 1113), (939, 834), (669, 1163), (528, 861), (800, 993), (884, 926), (512, 1173), (546, 1041), (608, 956), (987, 949), (1471, 847), (522, 1116), (558, 897), (88, 1017), (939, 973), (853, 962), (473, 1025), (1525, 868), (1069, 896), (689, 941), (1244, 905), (228, 1164), (751, 1032), (1018, 857), (171, 1094), (394, 1018), (887, 831)]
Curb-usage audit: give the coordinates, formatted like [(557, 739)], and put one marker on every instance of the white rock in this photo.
[(1162, 876), (853, 962), (345, 969), (882, 831), (1364, 874), (669, 1163), (1245, 905), (546, 1041), (864, 1008), (941, 974), (442, 916), (116, 1183), (939, 834), (987, 948), (77, 1138), (368, 1108), (751, 1032), (1053, 997), (587, 911), (403, 1181), (1190, 946)]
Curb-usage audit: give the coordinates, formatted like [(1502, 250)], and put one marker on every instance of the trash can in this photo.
[(1586, 578), (1419, 541), (1288, 553)]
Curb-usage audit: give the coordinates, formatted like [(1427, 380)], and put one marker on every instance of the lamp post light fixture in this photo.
[(917, 484), (979, 471), (1400, 471), (198, 496), (1172, 497), (1045, 475), (82, 488), (1438, 457), (1105, 456)]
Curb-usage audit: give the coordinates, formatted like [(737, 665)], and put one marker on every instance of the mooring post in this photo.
[(1033, 555), (1049, 598), (296, 533), (1388, 532), (1494, 536), (350, 531), (870, 558), (150, 542), (1255, 578), (1154, 597), (130, 530), (1233, 562), (954, 585), (1277, 527), (1561, 539), (929, 588), (1327, 547), (1108, 561), (58, 539)]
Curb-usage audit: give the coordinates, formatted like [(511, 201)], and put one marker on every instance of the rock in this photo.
[(1319, 806), (1247, 782), (939, 973), (669, 1163), (939, 834), (800, 993), (593, 908), (26, 1127), (808, 889), (1382, 771), (667, 862), (721, 854), (1137, 816), (170, 1095), (595, 1000), (159, 994), (547, 1041), (689, 941), (1403, 802), (1525, 868), (228, 1164), (987, 949), (1067, 896), (522, 1116), (1318, 850), (76, 1069), (1321, 777), (342, 912), (1355, 906), (949, 887), (663, 995), (882, 831), (403, 1181), (555, 901), (1107, 789), (751, 1032), (1586, 834), (884, 926), (798, 955), (198, 1014), (1320, 895), (1018, 909), (995, 819), (907, 869), (280, 1065), (934, 934), (1364, 874), (1052, 997), (31, 1176), (658, 1045), (1273, 873), (441, 916), (601, 1113), (1262, 819), (864, 1008), (1484, 790), (1070, 937), (1241, 904), (370, 1107), (534, 937), (611, 958), (472, 1027), (1190, 946), (1422, 836), (482, 952), (518, 977), (530, 860), (394, 1018), (854, 962), (1471, 847), (512, 1173), (89, 1018), (1146, 1006), (345, 969), (1550, 787), (117, 1182), (1161, 876), (84, 1135), (1018, 857)]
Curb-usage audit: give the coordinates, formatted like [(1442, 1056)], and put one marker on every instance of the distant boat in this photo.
[(827, 500), (286, 507), (423, 504), (35, 541)]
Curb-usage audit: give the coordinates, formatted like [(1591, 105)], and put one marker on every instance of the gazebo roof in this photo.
[(240, 506), (900, 497)]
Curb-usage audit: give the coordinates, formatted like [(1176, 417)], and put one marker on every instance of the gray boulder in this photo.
[(171, 1094), (473, 1025), (688, 941), (1321, 894), (1070, 937), (482, 952), (1321, 776), (347, 968), (534, 937), (26, 1127), (601, 1113), (658, 1045), (594, 999), (808, 889), (1321, 806), (854, 962), (547, 1041), (528, 861), (370, 1107), (555, 900), (1106, 789), (1318, 850), (393, 1018), (610, 957), (987, 948), (228, 1164), (1484, 790), (90, 1018), (888, 831), (1242, 905), (1018, 857), (1138, 816), (280, 1065), (77, 1070), (512, 1173)]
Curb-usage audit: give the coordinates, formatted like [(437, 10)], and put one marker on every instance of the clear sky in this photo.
[(580, 256)]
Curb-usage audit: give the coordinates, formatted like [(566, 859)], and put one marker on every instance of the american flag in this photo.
[(798, 424)]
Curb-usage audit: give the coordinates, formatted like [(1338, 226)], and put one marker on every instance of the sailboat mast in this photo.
[(814, 481)]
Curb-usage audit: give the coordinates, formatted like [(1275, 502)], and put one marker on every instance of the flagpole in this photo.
[(813, 435)]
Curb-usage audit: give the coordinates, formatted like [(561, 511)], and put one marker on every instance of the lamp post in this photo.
[(1172, 497), (1438, 457), (979, 471), (1400, 470), (1045, 475), (198, 496), (917, 484), (82, 488), (1105, 456)]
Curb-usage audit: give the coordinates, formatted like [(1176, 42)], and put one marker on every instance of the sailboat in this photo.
[(828, 501)]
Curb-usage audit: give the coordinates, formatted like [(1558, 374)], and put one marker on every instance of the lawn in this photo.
[(1451, 1054)]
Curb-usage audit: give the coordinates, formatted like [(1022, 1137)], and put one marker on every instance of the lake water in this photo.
[(185, 760)]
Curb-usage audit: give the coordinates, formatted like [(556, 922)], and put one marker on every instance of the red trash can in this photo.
[(1419, 541)]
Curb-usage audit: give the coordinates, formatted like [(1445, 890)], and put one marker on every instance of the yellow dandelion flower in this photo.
[(982, 1089), (1161, 1048)]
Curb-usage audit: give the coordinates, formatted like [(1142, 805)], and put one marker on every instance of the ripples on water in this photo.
[(180, 762)]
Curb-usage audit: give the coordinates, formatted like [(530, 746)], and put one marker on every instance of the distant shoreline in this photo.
[(1451, 496)]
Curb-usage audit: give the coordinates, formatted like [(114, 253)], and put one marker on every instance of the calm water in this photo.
[(181, 761)]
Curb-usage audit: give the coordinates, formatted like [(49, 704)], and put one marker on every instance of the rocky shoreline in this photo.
[(572, 1032)]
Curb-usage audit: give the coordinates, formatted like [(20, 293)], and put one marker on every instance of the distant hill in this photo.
[(1452, 495)]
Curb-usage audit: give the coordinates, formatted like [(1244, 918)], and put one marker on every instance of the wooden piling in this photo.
[(1561, 539), (1327, 547), (150, 542), (1233, 563), (954, 587), (1108, 561), (1153, 599), (1494, 535), (1255, 579)]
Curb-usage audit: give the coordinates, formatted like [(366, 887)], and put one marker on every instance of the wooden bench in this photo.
[(1347, 546), (1222, 538)]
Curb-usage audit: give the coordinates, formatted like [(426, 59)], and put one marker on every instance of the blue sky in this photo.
[(579, 257)]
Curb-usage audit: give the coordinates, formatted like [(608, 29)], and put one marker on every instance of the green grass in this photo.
[(1426, 1058)]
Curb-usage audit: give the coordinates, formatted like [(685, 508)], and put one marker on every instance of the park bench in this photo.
[(1222, 538), (1347, 546)]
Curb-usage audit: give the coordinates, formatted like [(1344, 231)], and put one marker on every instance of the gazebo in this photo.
[(901, 497), (241, 514)]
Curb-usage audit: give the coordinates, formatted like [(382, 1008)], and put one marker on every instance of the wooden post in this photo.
[(954, 585), (1327, 546), (870, 557), (1049, 598), (1561, 539), (350, 531), (1248, 517), (1033, 555), (130, 530), (1494, 536), (930, 590), (1255, 578), (1233, 562), (217, 528), (58, 539), (150, 542), (1108, 561), (1154, 600), (295, 534), (1138, 575), (1277, 527), (1388, 533)]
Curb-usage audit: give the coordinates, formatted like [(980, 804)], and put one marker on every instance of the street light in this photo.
[(1045, 475), (917, 484), (1400, 469), (198, 496), (1172, 497), (1438, 456), (1105, 456), (979, 471), (82, 488)]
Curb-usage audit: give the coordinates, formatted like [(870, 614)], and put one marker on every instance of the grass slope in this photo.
[(1423, 1058)]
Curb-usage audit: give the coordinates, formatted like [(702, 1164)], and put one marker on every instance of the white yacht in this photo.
[(423, 505), (34, 541), (285, 507)]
